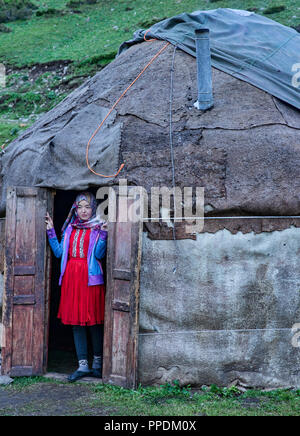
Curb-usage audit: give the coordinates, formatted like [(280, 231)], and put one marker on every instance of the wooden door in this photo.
[(120, 349), (26, 293)]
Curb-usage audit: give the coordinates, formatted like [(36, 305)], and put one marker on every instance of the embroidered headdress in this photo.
[(73, 218)]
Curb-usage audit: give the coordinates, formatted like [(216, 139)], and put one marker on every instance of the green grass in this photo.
[(9, 130), (89, 40), (21, 383), (165, 401), (172, 400), (100, 28), (23, 97)]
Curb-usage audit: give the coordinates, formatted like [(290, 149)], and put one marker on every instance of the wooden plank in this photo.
[(21, 371), (22, 335), (23, 285), (25, 191), (10, 233), (121, 306), (121, 332), (26, 248), (40, 323), (24, 316), (122, 299), (48, 267), (24, 270), (24, 299), (122, 274), (2, 243)]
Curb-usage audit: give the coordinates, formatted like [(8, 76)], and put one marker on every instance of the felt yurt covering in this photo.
[(227, 310)]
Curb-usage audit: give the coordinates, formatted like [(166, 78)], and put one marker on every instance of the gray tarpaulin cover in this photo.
[(248, 46)]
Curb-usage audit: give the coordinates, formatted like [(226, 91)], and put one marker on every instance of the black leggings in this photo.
[(80, 340)]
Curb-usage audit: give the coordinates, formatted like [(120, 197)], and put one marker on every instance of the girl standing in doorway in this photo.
[(82, 300)]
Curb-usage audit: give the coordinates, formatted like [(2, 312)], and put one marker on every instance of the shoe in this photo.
[(78, 375), (96, 373)]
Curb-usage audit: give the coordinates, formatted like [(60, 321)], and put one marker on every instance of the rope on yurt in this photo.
[(170, 129), (172, 154), (115, 104)]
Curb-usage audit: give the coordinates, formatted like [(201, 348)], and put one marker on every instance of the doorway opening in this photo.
[(61, 350)]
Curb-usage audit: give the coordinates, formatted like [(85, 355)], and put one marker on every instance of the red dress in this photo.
[(80, 304)]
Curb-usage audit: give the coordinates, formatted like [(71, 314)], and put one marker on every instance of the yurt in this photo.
[(217, 305)]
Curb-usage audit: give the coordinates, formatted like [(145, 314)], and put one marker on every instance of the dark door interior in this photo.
[(61, 351)]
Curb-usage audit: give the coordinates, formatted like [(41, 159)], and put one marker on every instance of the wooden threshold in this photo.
[(64, 377)]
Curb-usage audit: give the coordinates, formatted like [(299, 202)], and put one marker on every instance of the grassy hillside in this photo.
[(87, 30), (61, 43)]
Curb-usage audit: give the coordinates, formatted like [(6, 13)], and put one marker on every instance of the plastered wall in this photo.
[(226, 312)]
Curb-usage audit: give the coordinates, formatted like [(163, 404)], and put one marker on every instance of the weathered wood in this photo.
[(24, 270), (2, 244), (24, 299), (121, 306), (21, 371), (25, 293), (10, 232), (122, 299), (122, 274), (50, 208), (25, 191), (161, 231)]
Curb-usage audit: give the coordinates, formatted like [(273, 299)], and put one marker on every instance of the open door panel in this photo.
[(26, 291), (122, 294)]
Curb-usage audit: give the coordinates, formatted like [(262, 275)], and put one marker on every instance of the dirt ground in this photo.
[(51, 399)]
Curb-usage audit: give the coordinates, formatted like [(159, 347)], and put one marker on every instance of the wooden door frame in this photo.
[(127, 306), (48, 281), (132, 356), (117, 278)]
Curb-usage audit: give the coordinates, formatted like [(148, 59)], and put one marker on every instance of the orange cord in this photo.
[(153, 39), (115, 104)]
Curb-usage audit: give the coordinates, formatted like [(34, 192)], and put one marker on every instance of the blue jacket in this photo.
[(96, 251)]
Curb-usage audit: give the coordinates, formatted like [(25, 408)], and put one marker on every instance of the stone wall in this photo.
[(227, 311)]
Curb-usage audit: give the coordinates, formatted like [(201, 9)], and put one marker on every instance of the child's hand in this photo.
[(49, 221)]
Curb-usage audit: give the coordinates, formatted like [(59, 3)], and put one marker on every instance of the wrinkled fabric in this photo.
[(73, 217), (80, 304), (246, 45), (52, 151), (96, 250)]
